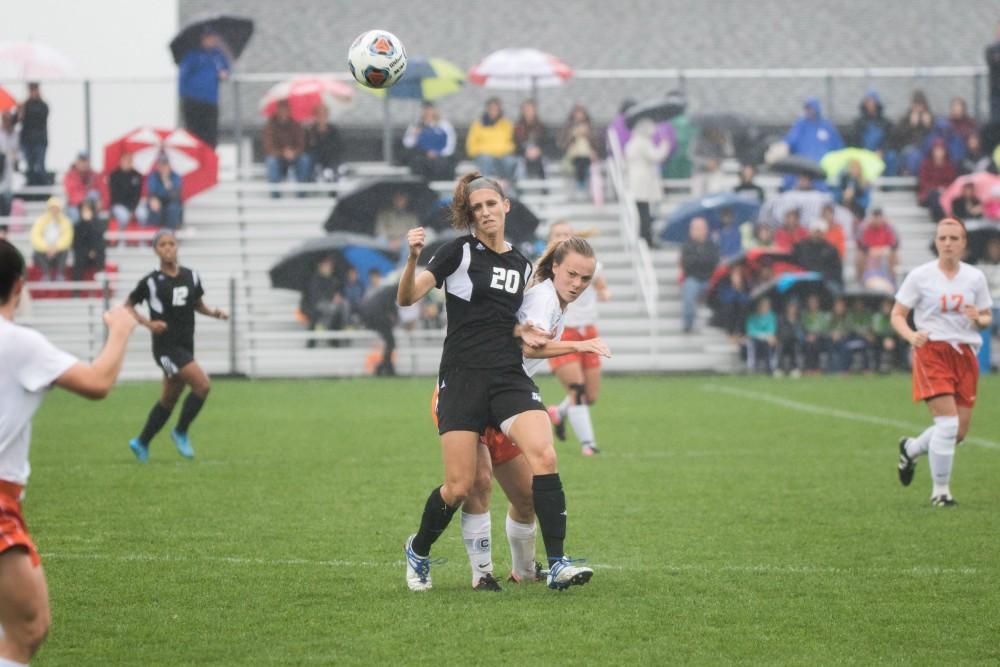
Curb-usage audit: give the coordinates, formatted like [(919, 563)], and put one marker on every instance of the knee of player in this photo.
[(202, 388), (482, 489), (456, 492), (31, 632)]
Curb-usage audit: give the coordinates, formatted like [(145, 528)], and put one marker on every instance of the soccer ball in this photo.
[(377, 59)]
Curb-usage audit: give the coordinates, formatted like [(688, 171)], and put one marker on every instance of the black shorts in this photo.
[(470, 399), (172, 359)]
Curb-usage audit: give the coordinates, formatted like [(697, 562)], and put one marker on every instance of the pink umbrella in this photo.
[(987, 190), (304, 94), (193, 160), (520, 69), (32, 60)]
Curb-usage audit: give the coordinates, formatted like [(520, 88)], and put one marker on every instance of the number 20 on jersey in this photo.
[(507, 280)]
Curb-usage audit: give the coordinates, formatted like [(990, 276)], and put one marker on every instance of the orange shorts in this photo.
[(586, 359), (13, 531), (939, 369), (501, 448)]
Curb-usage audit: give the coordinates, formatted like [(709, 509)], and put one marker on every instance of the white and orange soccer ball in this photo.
[(377, 59)]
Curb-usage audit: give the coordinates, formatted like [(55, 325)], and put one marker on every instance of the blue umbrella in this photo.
[(294, 270), (710, 208), (793, 285)]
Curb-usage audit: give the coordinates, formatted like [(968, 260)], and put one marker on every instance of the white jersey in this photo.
[(541, 307), (583, 312), (29, 364), (937, 302)]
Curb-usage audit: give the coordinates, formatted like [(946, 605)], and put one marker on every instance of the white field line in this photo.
[(917, 571), (764, 397)]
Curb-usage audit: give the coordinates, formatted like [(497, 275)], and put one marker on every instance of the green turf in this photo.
[(722, 528)]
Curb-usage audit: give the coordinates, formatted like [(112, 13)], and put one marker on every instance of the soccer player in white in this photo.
[(562, 275), (951, 304), (29, 366), (579, 372)]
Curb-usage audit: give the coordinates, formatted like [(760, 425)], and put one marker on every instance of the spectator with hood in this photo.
[(812, 135), (201, 70), (912, 131), (873, 131), (490, 143), (936, 173), (80, 182), (976, 160), (51, 239)]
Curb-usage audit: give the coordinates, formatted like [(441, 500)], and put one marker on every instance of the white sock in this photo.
[(6, 662), (919, 445), (521, 538), (476, 535), (579, 419), (564, 407), (942, 453)]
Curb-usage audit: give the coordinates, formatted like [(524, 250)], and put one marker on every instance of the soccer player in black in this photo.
[(481, 381), (173, 293)]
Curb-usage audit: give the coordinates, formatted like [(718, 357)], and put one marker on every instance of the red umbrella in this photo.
[(7, 101), (520, 69), (987, 187), (304, 94), (193, 160)]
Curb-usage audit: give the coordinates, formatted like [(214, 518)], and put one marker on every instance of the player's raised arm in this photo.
[(95, 380), (413, 287)]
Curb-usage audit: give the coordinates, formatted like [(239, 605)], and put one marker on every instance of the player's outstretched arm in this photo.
[(217, 313), (95, 380), (413, 287), (557, 348)]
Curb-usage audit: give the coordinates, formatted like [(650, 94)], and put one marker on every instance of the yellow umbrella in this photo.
[(835, 162)]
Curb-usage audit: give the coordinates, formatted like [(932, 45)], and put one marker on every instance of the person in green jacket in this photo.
[(816, 326)]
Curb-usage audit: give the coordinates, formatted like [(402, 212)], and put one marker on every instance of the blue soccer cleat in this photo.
[(140, 449), (418, 568), (183, 443)]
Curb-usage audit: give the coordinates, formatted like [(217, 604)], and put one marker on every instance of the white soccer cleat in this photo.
[(418, 568), (564, 574)]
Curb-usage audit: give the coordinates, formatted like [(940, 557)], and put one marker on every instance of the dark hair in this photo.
[(11, 268), (557, 252), (461, 211)]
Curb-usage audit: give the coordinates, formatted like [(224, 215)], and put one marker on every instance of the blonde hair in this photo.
[(557, 252)]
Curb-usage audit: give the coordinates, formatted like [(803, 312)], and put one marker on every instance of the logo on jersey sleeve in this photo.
[(505, 279)]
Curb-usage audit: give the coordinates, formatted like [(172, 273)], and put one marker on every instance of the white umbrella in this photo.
[(520, 69), (32, 60)]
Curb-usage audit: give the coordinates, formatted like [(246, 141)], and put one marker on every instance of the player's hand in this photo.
[(920, 338), (416, 238), (220, 314), (119, 319), (534, 336), (157, 327), (595, 346), (971, 312)]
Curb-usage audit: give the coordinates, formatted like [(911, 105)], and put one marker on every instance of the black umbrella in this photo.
[(362, 252), (519, 225), (659, 110), (794, 286), (798, 165), (980, 232), (356, 211), (872, 297), (234, 31)]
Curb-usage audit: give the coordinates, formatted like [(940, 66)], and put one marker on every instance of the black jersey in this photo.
[(483, 291), (172, 299)]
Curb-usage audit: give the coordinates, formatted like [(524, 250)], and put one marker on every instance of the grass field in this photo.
[(729, 520)]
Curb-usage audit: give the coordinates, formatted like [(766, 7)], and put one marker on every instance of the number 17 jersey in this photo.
[(483, 291), (937, 301), (171, 299)]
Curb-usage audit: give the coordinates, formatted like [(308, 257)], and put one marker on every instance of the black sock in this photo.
[(437, 516), (158, 416), (550, 508), (192, 404)]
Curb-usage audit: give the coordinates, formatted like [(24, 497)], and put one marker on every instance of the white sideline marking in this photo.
[(833, 412), (918, 571)]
